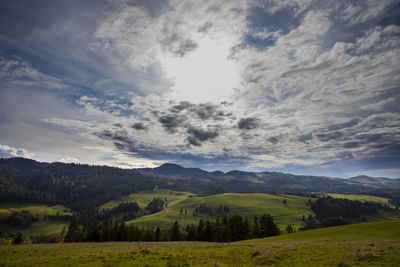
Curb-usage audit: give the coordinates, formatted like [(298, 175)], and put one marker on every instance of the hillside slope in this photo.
[(253, 204)]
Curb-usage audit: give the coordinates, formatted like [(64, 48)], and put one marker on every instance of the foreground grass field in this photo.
[(368, 244)]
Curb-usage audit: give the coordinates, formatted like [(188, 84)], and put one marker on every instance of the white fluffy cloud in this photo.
[(9, 152)]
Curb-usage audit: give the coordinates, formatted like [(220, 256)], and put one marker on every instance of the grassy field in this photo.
[(37, 228), (361, 198), (144, 197), (368, 244), (243, 204), (34, 208)]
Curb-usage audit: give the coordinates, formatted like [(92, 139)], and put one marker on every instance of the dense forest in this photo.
[(226, 229), (336, 211)]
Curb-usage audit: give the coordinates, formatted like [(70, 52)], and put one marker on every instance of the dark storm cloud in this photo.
[(203, 111), (183, 105), (118, 136), (139, 126), (248, 123), (207, 111), (191, 116), (129, 146), (197, 136), (171, 122)]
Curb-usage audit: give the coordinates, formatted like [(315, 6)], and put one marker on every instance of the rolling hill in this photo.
[(83, 189), (253, 204)]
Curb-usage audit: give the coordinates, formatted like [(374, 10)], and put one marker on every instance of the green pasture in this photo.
[(367, 244), (254, 204), (361, 198), (34, 208), (144, 197)]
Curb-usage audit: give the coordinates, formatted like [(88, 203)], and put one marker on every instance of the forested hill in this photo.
[(275, 180), (84, 187), (73, 185)]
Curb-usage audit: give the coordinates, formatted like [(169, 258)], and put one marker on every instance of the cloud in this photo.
[(269, 84), (69, 159), (196, 136), (139, 126), (170, 122), (184, 48), (9, 152), (247, 123), (17, 72)]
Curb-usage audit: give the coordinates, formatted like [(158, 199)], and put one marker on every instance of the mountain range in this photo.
[(275, 179), (84, 187)]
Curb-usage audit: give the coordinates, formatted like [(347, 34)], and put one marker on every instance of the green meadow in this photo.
[(254, 204), (367, 244), (361, 198), (144, 197), (34, 208), (45, 227)]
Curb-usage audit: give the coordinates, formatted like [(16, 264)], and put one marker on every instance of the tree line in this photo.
[(226, 229)]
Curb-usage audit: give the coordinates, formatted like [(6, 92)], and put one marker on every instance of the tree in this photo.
[(256, 228), (200, 230), (19, 239), (74, 232), (155, 205), (157, 234), (191, 233), (105, 232), (93, 232), (175, 232), (226, 234), (208, 232), (289, 229), (267, 226)]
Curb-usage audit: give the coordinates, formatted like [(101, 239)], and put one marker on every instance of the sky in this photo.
[(303, 87)]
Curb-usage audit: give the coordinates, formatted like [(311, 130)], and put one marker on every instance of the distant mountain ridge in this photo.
[(83, 187), (176, 171)]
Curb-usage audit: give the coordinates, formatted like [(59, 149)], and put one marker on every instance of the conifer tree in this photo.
[(175, 232)]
